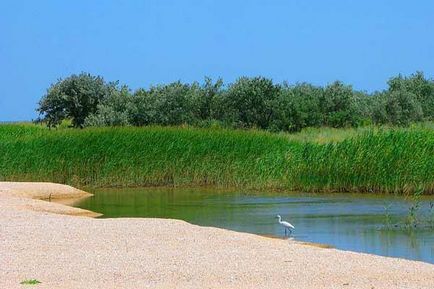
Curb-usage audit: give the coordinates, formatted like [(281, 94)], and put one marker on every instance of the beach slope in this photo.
[(67, 251)]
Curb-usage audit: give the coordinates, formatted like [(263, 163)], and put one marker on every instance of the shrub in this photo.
[(75, 97), (338, 105), (256, 102), (248, 102), (172, 103), (296, 107), (402, 107), (142, 109), (205, 100), (113, 111), (421, 89)]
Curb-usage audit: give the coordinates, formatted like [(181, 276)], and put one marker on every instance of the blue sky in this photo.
[(149, 42)]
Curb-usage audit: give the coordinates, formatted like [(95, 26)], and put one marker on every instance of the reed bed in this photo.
[(397, 160)]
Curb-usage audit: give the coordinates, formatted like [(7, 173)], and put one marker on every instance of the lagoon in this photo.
[(366, 223)]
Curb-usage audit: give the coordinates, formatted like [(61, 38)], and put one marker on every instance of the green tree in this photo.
[(113, 111), (249, 101), (420, 87), (306, 99), (363, 105), (402, 107), (378, 107), (338, 105), (172, 103), (297, 107), (75, 98), (204, 99), (143, 108)]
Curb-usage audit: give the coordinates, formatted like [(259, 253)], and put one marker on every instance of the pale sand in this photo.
[(28, 196), (79, 252)]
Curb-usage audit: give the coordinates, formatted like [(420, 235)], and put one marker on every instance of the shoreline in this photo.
[(38, 197), (63, 247)]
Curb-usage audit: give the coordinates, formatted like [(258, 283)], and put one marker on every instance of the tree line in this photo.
[(249, 102)]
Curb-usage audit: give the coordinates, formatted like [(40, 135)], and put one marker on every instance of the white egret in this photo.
[(286, 225)]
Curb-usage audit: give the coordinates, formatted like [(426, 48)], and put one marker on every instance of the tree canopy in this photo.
[(75, 97), (249, 102)]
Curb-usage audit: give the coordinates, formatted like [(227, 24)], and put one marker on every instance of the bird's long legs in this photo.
[(287, 233)]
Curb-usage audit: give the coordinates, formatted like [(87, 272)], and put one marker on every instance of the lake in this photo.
[(355, 222)]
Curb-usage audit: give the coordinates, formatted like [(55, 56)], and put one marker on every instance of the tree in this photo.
[(204, 99), (248, 102), (421, 88), (172, 103), (75, 98), (306, 99), (112, 111), (402, 107), (296, 107), (338, 105), (143, 108)]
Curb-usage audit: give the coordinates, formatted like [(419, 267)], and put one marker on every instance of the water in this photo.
[(345, 221)]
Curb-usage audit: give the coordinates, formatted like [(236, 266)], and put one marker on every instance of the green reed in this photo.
[(368, 160)]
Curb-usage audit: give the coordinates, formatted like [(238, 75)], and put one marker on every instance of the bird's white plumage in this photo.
[(284, 223)]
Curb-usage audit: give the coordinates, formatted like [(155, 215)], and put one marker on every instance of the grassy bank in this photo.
[(383, 160)]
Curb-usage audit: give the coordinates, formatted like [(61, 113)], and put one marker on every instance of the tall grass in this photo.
[(379, 160)]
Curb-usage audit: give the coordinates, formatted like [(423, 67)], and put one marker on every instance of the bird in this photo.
[(286, 225)]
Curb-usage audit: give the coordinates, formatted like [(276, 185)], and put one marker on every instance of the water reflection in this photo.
[(345, 221)]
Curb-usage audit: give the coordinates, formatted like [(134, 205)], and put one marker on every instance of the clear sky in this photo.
[(149, 42)]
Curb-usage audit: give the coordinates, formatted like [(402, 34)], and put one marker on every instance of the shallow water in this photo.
[(355, 222)]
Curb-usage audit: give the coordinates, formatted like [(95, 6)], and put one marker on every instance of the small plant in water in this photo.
[(30, 282), (387, 219), (431, 213), (412, 218)]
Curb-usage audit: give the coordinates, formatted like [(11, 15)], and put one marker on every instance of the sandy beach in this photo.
[(63, 247)]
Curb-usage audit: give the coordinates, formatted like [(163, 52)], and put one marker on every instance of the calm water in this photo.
[(345, 221)]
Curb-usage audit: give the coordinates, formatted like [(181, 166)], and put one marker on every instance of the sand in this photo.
[(37, 241), (30, 196)]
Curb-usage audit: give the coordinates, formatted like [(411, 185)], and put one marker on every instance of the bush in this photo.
[(113, 111), (306, 99), (296, 107), (75, 98), (248, 102), (338, 105), (142, 109), (173, 103), (402, 107), (205, 100), (256, 102), (420, 89)]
